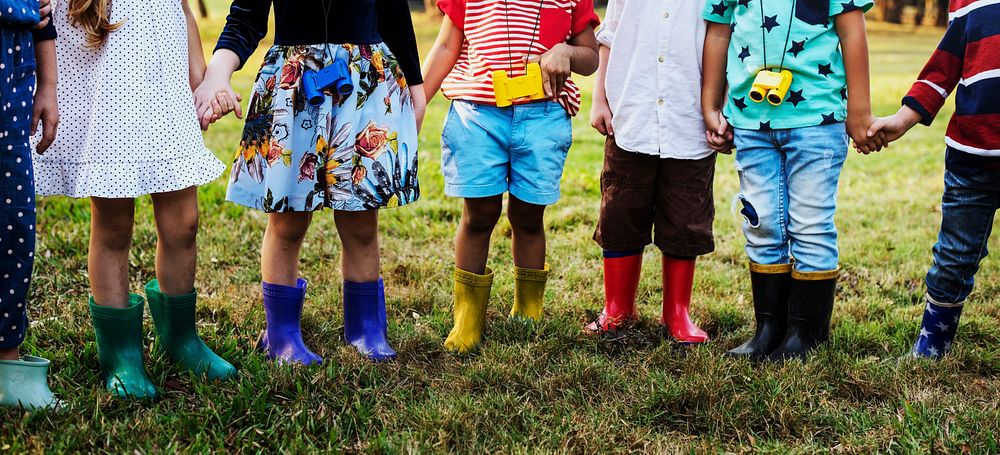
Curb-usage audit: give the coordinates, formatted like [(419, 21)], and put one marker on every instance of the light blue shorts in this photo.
[(488, 150)]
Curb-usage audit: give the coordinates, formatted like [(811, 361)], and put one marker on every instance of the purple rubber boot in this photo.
[(365, 322), (282, 339)]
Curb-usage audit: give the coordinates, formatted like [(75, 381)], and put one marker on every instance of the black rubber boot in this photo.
[(810, 306), (771, 285)]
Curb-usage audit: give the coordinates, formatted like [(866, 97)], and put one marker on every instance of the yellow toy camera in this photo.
[(771, 86), (507, 89)]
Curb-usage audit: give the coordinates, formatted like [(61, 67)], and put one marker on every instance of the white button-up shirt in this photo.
[(654, 76)]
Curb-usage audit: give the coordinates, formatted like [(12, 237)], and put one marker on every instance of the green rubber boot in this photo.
[(119, 347), (177, 335), (24, 383)]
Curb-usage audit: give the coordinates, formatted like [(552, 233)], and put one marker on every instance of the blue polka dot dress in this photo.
[(17, 197), (128, 124)]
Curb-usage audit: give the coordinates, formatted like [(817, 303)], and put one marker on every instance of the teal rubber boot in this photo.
[(119, 348), (24, 383), (177, 335)]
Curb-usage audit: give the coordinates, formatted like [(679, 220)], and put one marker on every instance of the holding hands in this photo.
[(858, 129), (894, 126), (719, 132), (214, 97)]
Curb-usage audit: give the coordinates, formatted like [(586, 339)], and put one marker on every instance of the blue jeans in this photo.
[(970, 200), (788, 183)]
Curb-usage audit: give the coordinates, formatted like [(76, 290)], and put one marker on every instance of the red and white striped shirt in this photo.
[(534, 26)]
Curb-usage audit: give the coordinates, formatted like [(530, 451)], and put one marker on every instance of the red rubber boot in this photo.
[(678, 282), (621, 280)]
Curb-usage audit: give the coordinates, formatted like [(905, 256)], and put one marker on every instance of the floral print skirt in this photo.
[(353, 152)]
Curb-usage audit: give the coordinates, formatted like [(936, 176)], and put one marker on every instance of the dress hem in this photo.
[(150, 177)]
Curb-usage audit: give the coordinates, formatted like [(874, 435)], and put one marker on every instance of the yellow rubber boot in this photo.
[(529, 292), (472, 294)]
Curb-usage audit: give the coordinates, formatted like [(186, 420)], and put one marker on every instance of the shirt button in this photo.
[(661, 59), (666, 15), (660, 102)]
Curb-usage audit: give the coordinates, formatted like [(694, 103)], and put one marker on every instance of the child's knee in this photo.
[(359, 236), (526, 223), (181, 229), (481, 217), (287, 230)]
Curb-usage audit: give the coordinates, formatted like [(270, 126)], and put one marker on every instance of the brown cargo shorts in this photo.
[(645, 193)]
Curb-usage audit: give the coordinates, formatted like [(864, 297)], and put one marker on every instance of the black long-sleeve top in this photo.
[(299, 22)]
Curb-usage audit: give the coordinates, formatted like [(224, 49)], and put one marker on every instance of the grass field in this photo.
[(546, 388)]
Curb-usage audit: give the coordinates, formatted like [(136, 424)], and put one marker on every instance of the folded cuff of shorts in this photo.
[(671, 249), (637, 244), (533, 197), (475, 191)]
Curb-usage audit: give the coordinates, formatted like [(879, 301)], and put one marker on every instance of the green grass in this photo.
[(547, 388)]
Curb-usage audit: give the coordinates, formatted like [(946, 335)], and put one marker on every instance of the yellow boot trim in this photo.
[(816, 276), (529, 292), (770, 269), (471, 296)]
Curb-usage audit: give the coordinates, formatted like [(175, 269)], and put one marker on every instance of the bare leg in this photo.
[(279, 256), (111, 224), (472, 242), (528, 225), (10, 354), (359, 239), (176, 246)]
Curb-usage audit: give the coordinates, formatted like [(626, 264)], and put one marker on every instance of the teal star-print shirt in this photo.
[(818, 94)]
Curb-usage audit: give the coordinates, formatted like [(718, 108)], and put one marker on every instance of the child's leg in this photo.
[(365, 321), (359, 239), (284, 292), (541, 137), (628, 196), (528, 226), (472, 241), (176, 216), (17, 231), (111, 224), (473, 279), (685, 210), (967, 210), (115, 312), (279, 255), (171, 296), (530, 270), (815, 157), (814, 160), (761, 168), (763, 204)]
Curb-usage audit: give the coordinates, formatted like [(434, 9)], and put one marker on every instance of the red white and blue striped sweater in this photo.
[(967, 58)]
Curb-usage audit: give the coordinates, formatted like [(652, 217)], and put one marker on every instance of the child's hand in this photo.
[(895, 126), (600, 116), (44, 11), (215, 98), (557, 64), (46, 110), (719, 132), (857, 129), (419, 98)]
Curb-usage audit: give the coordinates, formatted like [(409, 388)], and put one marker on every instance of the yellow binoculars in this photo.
[(507, 89), (771, 86)]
